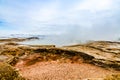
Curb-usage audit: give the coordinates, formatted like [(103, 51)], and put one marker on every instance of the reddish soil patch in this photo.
[(61, 71)]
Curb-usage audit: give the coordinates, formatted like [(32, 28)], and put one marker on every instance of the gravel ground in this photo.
[(61, 71)]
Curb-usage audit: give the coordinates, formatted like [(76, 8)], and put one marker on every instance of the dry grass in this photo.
[(113, 77), (12, 39), (11, 43), (8, 73)]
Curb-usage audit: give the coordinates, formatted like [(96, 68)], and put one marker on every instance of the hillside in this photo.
[(93, 60)]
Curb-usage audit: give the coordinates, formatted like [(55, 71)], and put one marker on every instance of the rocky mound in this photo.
[(8, 73)]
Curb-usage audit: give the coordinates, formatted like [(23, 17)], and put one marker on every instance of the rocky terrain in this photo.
[(106, 54), (18, 39), (97, 60)]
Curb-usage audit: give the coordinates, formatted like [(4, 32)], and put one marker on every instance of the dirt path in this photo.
[(62, 71)]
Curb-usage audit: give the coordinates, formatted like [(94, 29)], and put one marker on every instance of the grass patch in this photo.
[(8, 73), (113, 77)]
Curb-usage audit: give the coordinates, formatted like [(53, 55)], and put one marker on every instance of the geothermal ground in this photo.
[(91, 61)]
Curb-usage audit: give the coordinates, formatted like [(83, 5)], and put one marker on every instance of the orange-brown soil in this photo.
[(62, 71)]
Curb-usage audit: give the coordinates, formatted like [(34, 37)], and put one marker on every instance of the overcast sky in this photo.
[(83, 18)]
